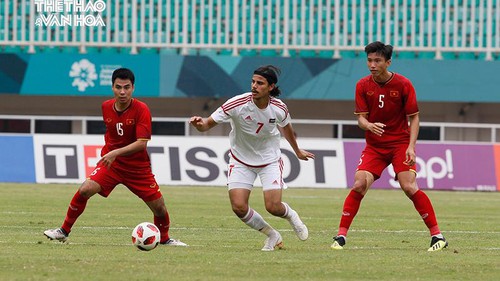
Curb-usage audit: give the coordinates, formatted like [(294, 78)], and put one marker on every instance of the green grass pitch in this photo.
[(387, 241)]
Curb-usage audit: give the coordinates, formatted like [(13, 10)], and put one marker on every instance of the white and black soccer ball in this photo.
[(146, 236)]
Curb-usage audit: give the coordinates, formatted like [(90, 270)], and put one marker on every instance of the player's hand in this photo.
[(376, 128), (107, 159), (196, 121), (305, 155), (410, 157)]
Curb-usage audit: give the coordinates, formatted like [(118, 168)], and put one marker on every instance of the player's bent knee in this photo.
[(239, 210), (275, 209), (89, 188)]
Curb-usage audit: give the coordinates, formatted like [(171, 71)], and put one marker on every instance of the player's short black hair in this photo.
[(123, 73), (379, 48)]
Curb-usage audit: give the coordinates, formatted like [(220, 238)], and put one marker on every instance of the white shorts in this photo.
[(241, 176)]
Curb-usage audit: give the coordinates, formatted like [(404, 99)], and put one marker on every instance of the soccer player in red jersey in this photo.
[(387, 110), (124, 159)]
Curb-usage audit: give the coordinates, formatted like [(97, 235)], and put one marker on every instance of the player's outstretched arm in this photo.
[(202, 124), (290, 137)]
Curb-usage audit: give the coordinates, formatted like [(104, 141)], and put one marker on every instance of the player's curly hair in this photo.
[(271, 73), (379, 48)]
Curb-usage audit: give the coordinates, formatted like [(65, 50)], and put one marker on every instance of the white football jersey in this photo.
[(254, 138)]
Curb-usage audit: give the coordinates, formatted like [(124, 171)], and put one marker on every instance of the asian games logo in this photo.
[(83, 73), (69, 12)]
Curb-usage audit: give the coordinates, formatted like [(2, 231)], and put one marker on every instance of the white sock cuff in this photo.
[(287, 210), (248, 215)]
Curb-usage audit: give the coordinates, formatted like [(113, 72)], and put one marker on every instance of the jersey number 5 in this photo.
[(381, 101)]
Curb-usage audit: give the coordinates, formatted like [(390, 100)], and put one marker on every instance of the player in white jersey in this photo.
[(255, 151)]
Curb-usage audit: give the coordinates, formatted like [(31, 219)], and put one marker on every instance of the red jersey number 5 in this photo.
[(381, 101)]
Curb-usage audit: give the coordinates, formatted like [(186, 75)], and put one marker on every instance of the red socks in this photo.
[(420, 200), (75, 209), (423, 206), (163, 223), (351, 207)]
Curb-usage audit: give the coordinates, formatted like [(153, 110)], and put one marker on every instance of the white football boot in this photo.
[(274, 240), (174, 242), (298, 226), (56, 234)]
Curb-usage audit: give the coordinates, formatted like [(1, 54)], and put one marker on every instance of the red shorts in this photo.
[(376, 159), (141, 182)]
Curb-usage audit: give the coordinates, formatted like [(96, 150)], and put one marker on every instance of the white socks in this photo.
[(255, 221), (289, 212)]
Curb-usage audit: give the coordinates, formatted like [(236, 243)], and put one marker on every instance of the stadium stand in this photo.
[(421, 30), (440, 29)]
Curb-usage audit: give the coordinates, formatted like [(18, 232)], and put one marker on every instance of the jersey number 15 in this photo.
[(119, 129)]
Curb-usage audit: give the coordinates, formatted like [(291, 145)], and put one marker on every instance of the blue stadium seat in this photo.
[(326, 54), (169, 51), (348, 54), (210, 52), (12, 49), (50, 49), (426, 55), (293, 53), (467, 56), (92, 50), (225, 52), (405, 55), (110, 50), (70, 50), (307, 53), (248, 52), (269, 53), (450, 55), (148, 50)]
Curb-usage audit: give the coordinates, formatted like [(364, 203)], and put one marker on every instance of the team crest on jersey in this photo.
[(370, 93), (109, 120), (272, 120), (394, 94), (249, 118), (130, 122)]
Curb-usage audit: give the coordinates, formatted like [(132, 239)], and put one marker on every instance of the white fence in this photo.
[(438, 28), (460, 132)]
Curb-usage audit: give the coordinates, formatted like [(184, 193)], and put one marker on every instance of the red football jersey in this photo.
[(390, 104), (124, 128)]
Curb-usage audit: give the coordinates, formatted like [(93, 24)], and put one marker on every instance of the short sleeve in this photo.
[(411, 106), (143, 127), (361, 105), (220, 115)]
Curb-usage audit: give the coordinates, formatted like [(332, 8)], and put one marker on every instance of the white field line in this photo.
[(249, 229), (69, 242), (242, 229)]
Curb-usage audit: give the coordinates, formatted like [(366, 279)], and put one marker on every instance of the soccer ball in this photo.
[(146, 236)]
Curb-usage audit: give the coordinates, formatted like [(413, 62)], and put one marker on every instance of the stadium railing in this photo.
[(338, 129), (327, 28)]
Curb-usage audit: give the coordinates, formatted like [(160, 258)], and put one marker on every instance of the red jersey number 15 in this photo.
[(119, 129)]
